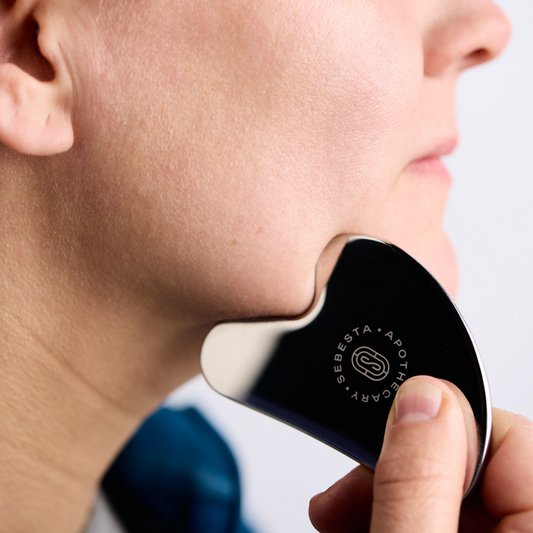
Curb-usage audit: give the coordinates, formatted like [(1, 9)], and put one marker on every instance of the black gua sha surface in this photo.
[(384, 320)]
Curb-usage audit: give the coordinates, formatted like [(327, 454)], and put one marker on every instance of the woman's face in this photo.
[(230, 141)]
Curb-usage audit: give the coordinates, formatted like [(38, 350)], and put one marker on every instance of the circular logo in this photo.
[(370, 364)]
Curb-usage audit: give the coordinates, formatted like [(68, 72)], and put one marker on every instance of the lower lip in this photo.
[(429, 166)]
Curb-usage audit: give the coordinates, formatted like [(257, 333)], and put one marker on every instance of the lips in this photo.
[(431, 163), (428, 165)]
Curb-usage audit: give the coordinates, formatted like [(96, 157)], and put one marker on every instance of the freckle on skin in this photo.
[(234, 242), (259, 230)]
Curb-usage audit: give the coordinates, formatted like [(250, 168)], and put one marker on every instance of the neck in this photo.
[(79, 372)]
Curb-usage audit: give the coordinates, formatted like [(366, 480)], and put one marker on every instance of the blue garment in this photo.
[(176, 475)]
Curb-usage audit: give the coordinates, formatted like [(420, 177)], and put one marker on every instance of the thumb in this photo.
[(419, 478)]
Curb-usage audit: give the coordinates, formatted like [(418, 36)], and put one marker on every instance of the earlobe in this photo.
[(35, 114), (32, 122)]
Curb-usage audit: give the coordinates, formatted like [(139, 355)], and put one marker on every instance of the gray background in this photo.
[(490, 221)]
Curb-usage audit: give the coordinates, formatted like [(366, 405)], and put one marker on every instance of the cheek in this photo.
[(255, 138), (371, 72)]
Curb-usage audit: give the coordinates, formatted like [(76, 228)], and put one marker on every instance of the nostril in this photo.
[(481, 55), (477, 33)]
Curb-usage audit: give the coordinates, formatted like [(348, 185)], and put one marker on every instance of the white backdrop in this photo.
[(490, 220), (490, 216)]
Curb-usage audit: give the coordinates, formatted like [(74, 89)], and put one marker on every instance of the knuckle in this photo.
[(415, 477), (518, 523)]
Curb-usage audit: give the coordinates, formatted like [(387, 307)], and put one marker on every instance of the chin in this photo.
[(447, 272), (438, 256)]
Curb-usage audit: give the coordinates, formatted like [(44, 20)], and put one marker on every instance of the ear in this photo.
[(35, 83)]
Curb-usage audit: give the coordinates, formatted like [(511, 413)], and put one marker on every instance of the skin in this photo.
[(419, 480), (170, 164)]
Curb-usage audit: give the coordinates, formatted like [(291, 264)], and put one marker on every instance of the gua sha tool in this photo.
[(335, 372)]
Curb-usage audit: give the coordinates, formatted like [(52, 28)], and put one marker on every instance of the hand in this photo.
[(426, 465)]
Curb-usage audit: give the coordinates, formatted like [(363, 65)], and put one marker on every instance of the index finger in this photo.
[(507, 486)]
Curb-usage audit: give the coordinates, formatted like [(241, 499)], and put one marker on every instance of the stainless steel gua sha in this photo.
[(334, 373)]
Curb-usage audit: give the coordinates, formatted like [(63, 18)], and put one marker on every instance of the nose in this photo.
[(465, 34)]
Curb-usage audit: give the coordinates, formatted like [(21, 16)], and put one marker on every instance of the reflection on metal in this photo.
[(335, 372), (235, 356)]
